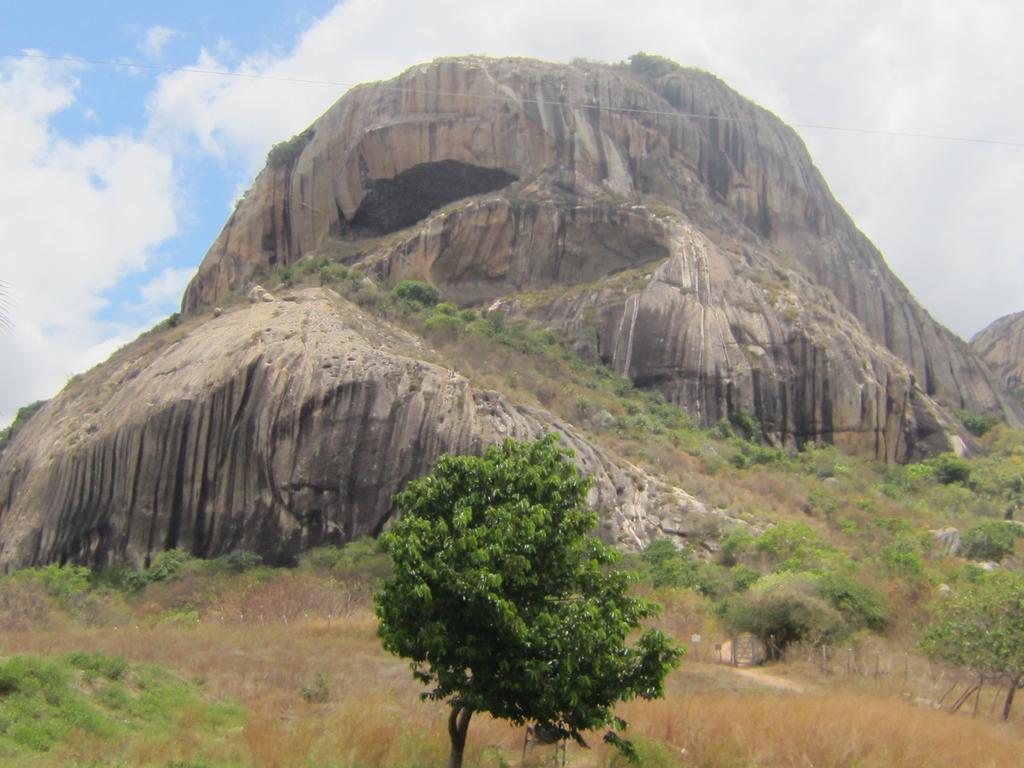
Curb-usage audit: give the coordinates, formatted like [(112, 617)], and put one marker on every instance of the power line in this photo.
[(496, 98)]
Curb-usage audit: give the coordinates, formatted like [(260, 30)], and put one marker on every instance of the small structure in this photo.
[(744, 650)]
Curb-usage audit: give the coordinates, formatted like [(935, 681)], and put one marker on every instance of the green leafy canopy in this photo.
[(504, 602), (981, 625)]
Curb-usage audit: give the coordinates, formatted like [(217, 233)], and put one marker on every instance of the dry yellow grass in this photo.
[(375, 719)]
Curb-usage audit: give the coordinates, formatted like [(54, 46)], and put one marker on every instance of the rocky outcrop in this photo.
[(545, 176), (271, 428), (1001, 345), (715, 330), (663, 224)]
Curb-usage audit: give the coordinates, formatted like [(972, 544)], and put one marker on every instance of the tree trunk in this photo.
[(1009, 698), (963, 698), (458, 724)]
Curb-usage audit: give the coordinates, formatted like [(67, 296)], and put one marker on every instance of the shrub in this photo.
[(988, 540), (671, 567), (859, 604), (332, 273), (784, 609), (416, 292), (749, 455), (447, 308), (61, 582), (238, 561), (649, 65), (735, 544), (723, 430), (902, 556), (792, 546), (319, 691), (950, 468), (444, 326), (743, 577), (824, 462), (748, 427), (99, 665), (24, 413), (168, 565), (978, 423), (286, 152), (362, 557)]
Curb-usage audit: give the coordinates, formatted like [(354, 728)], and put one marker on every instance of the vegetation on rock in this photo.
[(416, 292), (20, 419), (287, 152)]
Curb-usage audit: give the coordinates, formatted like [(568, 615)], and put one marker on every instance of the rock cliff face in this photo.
[(270, 428), (761, 295), (1001, 345), (661, 223)]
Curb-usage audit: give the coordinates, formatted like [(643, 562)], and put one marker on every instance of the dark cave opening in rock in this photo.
[(393, 204)]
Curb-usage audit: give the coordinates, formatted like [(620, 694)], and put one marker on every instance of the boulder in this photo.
[(947, 540)]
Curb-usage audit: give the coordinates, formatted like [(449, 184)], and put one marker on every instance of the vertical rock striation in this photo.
[(556, 158), (271, 428)]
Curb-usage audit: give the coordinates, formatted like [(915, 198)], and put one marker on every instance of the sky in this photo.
[(114, 180)]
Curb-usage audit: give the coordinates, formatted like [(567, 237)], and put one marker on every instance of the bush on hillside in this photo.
[(24, 413), (416, 292), (902, 556), (784, 609), (793, 547), (667, 566), (950, 468), (988, 540), (286, 152), (748, 427), (362, 557), (650, 65), (978, 424), (861, 606)]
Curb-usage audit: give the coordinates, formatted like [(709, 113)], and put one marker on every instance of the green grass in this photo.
[(45, 701)]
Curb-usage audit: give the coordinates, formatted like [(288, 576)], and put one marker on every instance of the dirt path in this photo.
[(767, 679)]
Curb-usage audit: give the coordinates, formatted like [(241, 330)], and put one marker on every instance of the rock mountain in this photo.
[(1001, 345), (657, 221)]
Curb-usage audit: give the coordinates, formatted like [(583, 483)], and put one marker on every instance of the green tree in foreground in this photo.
[(981, 627), (504, 602)]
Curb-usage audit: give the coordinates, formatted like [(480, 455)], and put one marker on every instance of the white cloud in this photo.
[(155, 39), (79, 217), (167, 287), (83, 214), (943, 213)]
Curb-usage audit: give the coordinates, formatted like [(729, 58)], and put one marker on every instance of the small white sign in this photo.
[(694, 638)]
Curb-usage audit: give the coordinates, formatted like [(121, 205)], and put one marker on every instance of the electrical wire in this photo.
[(497, 98)]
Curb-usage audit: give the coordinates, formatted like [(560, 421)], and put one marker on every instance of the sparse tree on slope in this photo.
[(504, 602), (980, 626)]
